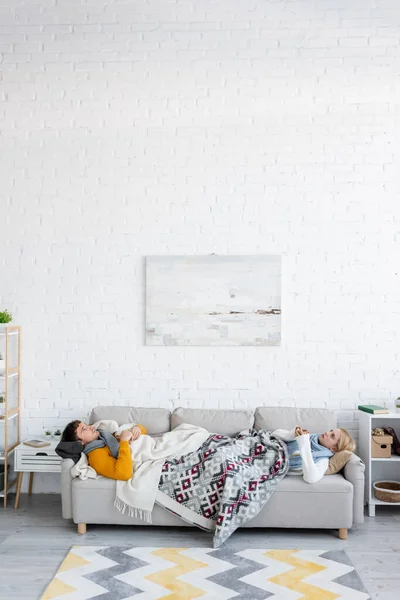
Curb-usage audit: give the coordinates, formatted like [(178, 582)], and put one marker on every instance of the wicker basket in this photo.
[(387, 491)]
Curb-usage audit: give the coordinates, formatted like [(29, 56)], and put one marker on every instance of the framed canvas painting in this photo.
[(213, 300)]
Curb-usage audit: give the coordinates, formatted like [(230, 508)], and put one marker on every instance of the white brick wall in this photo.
[(134, 127)]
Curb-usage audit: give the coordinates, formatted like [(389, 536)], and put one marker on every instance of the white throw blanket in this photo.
[(82, 469), (138, 495)]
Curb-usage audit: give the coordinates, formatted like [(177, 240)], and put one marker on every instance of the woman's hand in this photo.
[(136, 432), (300, 431)]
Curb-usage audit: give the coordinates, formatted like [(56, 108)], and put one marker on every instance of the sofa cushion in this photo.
[(227, 422), (337, 462), (93, 502), (316, 420), (156, 420), (325, 504), (295, 503), (327, 485)]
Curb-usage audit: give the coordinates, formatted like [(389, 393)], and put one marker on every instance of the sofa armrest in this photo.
[(354, 472), (66, 487)]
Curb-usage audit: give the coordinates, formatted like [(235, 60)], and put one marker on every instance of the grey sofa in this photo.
[(335, 502)]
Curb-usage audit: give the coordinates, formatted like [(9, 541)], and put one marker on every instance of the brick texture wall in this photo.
[(131, 128)]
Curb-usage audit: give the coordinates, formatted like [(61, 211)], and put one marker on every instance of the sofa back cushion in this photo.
[(227, 422), (156, 420), (316, 420)]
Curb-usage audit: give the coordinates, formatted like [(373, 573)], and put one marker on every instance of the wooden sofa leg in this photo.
[(342, 533), (81, 528)]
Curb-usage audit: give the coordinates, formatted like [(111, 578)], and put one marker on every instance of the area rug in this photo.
[(142, 573)]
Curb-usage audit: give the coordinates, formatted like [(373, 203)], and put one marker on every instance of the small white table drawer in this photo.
[(37, 460)]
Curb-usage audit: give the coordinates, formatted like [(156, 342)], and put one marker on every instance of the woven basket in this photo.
[(387, 491)]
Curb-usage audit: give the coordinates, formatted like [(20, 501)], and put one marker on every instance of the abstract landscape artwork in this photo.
[(213, 300)]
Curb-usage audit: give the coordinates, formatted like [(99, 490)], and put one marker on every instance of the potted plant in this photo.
[(398, 405), (57, 434), (47, 433), (2, 402), (5, 316)]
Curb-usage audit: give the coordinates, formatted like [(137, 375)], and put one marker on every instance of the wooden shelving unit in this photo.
[(10, 348)]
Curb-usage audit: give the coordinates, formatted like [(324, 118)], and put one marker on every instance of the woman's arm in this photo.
[(285, 434), (312, 472), (108, 466)]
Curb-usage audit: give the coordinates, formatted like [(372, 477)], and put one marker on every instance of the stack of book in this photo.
[(373, 409)]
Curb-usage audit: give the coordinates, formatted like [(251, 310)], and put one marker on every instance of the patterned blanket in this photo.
[(225, 483)]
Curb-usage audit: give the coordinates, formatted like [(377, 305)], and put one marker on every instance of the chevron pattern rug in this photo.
[(141, 573)]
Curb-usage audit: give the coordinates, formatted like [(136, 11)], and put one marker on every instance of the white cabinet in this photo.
[(377, 469)]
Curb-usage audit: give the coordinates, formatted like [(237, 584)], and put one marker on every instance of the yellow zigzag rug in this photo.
[(125, 573)]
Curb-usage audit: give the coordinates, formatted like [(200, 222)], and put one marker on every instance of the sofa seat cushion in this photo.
[(156, 420), (290, 484), (226, 422), (327, 504), (335, 484), (316, 420), (93, 502), (98, 485), (295, 504)]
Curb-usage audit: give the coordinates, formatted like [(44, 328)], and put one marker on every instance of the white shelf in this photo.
[(393, 458), (377, 469), (14, 416), (9, 376), (390, 415), (8, 489), (2, 458), (382, 503)]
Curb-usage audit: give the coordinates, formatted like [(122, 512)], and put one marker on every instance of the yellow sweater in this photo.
[(103, 462)]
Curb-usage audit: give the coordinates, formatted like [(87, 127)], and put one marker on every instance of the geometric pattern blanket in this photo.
[(225, 483), (127, 573)]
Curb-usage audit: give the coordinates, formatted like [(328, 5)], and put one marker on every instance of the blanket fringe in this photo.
[(136, 513)]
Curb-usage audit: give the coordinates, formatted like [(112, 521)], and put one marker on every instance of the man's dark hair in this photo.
[(70, 432)]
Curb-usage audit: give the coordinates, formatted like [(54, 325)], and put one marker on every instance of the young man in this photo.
[(106, 455)]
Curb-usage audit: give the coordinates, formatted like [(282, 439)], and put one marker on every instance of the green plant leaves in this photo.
[(5, 316)]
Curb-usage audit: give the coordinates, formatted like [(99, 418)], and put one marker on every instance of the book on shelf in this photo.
[(373, 409), (36, 443)]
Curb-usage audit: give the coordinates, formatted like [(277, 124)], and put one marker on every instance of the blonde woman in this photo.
[(309, 454)]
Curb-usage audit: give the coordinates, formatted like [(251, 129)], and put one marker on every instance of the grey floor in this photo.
[(34, 540)]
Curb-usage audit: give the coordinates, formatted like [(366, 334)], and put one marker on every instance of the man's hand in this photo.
[(126, 436), (300, 431), (136, 432)]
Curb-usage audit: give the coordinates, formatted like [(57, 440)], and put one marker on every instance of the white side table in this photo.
[(35, 460)]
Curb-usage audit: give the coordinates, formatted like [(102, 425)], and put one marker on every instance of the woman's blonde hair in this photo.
[(345, 442)]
